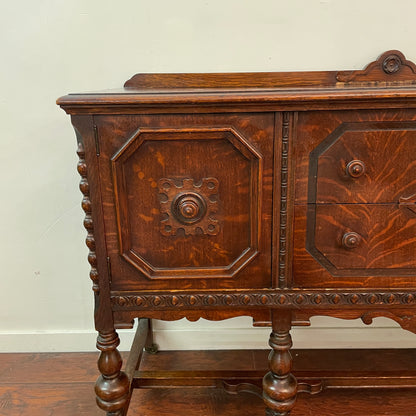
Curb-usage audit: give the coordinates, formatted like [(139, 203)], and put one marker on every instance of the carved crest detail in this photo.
[(390, 68)]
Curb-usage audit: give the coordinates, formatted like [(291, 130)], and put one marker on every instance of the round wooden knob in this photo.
[(351, 240), (355, 168), (188, 208)]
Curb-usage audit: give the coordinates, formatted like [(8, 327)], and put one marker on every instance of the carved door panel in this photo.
[(189, 204), (355, 215)]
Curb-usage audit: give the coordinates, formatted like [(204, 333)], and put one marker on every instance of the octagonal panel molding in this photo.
[(201, 189)]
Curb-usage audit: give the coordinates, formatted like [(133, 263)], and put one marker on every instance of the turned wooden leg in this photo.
[(112, 387), (279, 385)]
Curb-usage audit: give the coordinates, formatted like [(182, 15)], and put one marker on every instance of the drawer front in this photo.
[(363, 239), (355, 157), (366, 246), (355, 194), (366, 163), (188, 200)]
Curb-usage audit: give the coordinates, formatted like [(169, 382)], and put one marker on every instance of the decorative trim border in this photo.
[(284, 200), (267, 299)]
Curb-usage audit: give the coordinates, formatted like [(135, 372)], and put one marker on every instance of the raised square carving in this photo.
[(188, 206)]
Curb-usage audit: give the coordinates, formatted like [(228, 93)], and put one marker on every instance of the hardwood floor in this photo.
[(48, 384), (62, 384)]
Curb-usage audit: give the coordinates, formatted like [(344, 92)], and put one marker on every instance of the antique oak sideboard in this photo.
[(278, 196)]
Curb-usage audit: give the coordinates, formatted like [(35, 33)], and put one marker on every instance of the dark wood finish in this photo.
[(277, 196), (112, 387), (279, 384), (224, 152)]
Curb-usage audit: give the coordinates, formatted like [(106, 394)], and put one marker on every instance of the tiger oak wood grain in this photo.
[(277, 196)]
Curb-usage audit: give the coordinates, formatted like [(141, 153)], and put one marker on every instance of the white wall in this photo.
[(52, 47)]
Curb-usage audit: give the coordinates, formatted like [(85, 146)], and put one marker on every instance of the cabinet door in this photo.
[(187, 200), (355, 212)]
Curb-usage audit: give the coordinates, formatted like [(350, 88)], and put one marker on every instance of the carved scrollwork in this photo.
[(86, 206), (405, 320), (187, 206)]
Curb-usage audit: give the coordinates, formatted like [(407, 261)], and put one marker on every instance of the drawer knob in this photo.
[(351, 240), (188, 208), (355, 168)]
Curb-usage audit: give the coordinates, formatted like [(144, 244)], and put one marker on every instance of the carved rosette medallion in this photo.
[(392, 64), (188, 206)]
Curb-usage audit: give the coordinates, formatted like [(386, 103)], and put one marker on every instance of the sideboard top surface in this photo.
[(390, 81)]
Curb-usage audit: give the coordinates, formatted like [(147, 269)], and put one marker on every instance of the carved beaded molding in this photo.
[(86, 206), (283, 199), (268, 299)]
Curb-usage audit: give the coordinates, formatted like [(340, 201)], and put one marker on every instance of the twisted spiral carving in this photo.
[(88, 223)]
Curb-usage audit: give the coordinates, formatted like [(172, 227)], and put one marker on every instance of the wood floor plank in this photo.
[(48, 368), (65, 399), (62, 384)]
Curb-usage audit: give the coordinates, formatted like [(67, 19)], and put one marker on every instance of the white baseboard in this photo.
[(213, 338)]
